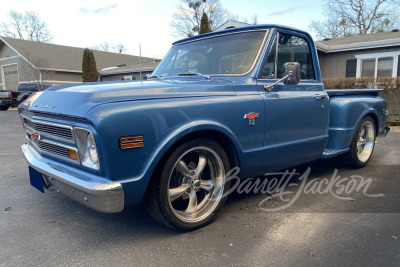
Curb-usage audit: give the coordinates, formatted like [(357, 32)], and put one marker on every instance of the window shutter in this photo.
[(398, 67), (351, 68)]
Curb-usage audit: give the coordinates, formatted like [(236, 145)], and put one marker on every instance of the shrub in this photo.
[(89, 69)]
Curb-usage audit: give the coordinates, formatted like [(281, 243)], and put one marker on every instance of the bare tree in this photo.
[(254, 19), (186, 20), (356, 17), (107, 47), (120, 48), (27, 26), (36, 70)]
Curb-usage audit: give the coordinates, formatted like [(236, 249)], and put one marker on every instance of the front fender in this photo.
[(163, 123)]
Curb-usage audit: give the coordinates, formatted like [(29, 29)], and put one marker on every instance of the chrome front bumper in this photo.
[(96, 193)]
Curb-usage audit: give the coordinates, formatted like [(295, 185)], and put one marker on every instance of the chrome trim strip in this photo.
[(48, 123), (77, 144), (97, 193), (58, 144)]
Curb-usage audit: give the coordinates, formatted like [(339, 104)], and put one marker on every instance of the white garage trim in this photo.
[(17, 52), (3, 77), (9, 58)]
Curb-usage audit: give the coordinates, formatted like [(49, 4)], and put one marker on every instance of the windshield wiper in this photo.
[(156, 76), (195, 74)]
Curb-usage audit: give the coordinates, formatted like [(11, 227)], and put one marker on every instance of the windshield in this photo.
[(229, 54)]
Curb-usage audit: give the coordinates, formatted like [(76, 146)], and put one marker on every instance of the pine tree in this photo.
[(204, 25), (89, 69)]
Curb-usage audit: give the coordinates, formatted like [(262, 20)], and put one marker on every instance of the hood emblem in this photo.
[(252, 118), (40, 106)]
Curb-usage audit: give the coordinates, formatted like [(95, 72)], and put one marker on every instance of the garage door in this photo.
[(10, 77)]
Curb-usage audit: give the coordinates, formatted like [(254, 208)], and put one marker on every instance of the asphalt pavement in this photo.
[(327, 214)]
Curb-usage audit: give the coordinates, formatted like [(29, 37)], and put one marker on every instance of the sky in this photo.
[(86, 23)]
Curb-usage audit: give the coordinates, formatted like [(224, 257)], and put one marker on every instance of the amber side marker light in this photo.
[(72, 154), (128, 142)]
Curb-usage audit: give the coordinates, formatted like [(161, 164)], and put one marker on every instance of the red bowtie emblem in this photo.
[(252, 117)]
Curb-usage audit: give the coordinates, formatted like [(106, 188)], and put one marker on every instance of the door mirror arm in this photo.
[(291, 75)]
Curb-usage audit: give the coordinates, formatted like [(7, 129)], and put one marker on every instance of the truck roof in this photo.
[(239, 29)]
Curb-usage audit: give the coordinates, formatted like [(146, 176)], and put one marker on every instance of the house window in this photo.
[(378, 65), (368, 68), (127, 78), (385, 67)]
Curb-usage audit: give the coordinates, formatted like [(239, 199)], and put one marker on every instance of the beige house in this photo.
[(130, 72), (371, 55), (23, 61)]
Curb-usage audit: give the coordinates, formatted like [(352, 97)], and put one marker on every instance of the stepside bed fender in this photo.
[(345, 114)]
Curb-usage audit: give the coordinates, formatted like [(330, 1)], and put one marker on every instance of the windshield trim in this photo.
[(267, 31)]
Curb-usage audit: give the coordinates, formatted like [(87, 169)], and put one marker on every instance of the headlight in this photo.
[(87, 148), (92, 149)]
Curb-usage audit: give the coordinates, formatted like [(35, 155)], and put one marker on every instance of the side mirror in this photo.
[(292, 69), (290, 77)]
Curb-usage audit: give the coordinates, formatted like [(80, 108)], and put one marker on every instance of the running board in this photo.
[(330, 153)]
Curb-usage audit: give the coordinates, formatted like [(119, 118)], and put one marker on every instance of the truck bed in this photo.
[(346, 92)]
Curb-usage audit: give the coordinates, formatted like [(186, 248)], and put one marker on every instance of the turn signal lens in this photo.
[(72, 154), (131, 142)]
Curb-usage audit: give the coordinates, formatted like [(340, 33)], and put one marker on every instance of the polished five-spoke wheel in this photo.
[(363, 143), (196, 184), (190, 186), (366, 141)]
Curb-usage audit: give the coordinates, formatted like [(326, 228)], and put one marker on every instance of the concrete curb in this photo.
[(395, 129)]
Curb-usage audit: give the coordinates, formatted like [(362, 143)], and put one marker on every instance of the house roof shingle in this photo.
[(360, 42), (362, 38), (68, 58)]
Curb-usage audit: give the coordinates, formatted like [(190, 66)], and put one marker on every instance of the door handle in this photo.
[(318, 96)]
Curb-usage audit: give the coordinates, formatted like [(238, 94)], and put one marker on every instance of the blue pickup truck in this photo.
[(248, 97)]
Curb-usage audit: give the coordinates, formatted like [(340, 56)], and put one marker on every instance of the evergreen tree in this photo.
[(204, 25), (89, 69)]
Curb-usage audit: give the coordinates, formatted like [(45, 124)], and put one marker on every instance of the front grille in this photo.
[(50, 138), (47, 128), (55, 149)]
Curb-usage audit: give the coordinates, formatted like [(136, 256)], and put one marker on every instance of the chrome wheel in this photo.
[(365, 141), (196, 184)]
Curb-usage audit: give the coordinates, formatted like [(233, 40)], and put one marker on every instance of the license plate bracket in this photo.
[(36, 179)]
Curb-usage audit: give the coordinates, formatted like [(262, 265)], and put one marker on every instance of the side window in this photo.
[(268, 71), (290, 48)]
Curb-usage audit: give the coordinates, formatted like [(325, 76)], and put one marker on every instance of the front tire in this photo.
[(187, 191), (362, 144)]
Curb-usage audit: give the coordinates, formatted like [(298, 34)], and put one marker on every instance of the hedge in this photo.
[(390, 86)]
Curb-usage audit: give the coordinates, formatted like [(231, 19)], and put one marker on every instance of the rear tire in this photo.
[(4, 108), (189, 188), (362, 144)]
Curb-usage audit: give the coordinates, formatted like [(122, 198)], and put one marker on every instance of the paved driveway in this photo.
[(320, 226)]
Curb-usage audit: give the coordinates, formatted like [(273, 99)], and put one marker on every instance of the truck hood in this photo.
[(77, 99)]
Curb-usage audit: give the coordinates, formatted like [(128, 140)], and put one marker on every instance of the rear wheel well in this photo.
[(375, 118)]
